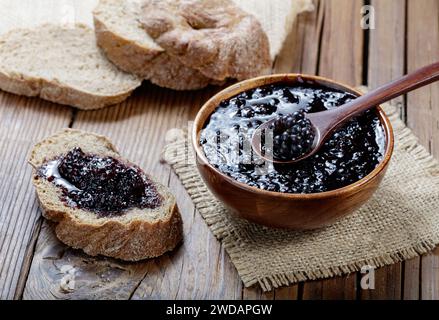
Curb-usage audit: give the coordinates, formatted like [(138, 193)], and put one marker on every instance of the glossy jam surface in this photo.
[(293, 136), (351, 153), (103, 185)]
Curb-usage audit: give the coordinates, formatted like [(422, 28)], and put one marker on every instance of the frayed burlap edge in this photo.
[(224, 230)]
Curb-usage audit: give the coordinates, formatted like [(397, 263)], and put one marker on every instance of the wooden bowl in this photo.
[(286, 210)]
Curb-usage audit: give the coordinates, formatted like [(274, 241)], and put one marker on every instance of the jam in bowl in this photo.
[(351, 153), (311, 193)]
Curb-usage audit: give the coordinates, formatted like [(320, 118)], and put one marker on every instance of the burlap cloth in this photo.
[(399, 222)]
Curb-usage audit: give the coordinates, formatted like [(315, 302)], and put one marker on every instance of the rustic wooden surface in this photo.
[(329, 42)]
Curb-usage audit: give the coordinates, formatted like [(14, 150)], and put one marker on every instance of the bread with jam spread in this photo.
[(99, 201)]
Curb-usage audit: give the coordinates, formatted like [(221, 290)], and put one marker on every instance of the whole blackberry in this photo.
[(293, 136)]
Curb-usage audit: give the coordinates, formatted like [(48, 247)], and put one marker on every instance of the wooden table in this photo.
[(328, 42)]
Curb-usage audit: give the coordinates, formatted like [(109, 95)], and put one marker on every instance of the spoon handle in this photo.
[(393, 89)]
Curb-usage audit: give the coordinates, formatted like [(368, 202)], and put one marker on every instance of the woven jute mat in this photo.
[(399, 222)]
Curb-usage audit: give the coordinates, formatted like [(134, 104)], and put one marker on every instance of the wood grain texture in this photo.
[(23, 122), (341, 51), (385, 63), (422, 107), (59, 272), (387, 45), (388, 284), (300, 52), (430, 276), (255, 293), (287, 293), (422, 49), (411, 278), (338, 288)]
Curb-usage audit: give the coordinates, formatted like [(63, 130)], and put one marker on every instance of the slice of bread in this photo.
[(126, 44), (61, 64), (136, 234)]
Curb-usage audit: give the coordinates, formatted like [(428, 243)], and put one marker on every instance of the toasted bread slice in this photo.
[(61, 64), (133, 235), (126, 44)]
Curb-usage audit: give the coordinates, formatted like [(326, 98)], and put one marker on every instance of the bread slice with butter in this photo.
[(132, 234)]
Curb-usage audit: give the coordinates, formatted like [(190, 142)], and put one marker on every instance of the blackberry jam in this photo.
[(293, 136), (351, 153), (103, 185)]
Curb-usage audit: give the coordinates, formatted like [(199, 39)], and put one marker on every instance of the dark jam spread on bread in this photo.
[(351, 153), (103, 185)]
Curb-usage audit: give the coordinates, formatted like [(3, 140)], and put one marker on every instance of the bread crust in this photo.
[(129, 238), (135, 241), (127, 55), (56, 92), (215, 37), (39, 84), (148, 63)]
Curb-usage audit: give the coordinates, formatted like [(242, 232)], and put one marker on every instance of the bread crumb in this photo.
[(67, 282)]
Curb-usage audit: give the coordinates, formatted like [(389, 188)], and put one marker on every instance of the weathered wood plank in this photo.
[(59, 272), (340, 58), (23, 122), (255, 293), (386, 62), (299, 54), (340, 288), (337, 288), (27, 261), (312, 290), (301, 49), (423, 48), (287, 293), (422, 107), (430, 276), (388, 284), (341, 51), (387, 44), (411, 279)]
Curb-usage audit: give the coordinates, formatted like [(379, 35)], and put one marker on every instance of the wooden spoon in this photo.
[(325, 122)]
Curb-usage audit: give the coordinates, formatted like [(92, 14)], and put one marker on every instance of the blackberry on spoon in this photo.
[(293, 136)]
